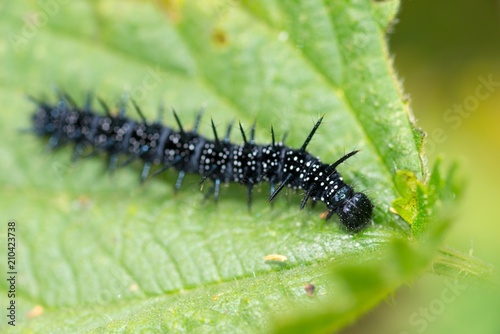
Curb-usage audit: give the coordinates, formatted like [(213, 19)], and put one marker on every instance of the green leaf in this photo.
[(100, 253), (407, 205), (421, 201)]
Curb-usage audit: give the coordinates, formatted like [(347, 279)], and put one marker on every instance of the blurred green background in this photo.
[(440, 49)]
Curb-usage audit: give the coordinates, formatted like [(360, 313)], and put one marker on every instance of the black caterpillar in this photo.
[(188, 152)]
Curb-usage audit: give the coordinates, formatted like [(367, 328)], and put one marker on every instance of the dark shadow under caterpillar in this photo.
[(188, 152)]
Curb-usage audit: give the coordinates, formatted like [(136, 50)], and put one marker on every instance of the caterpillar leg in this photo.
[(180, 178), (113, 162), (216, 189), (77, 152), (249, 196), (145, 171)]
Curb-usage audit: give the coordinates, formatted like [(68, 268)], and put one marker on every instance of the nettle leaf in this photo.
[(421, 200), (99, 252)]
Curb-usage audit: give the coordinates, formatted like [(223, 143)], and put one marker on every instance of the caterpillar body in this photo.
[(217, 159)]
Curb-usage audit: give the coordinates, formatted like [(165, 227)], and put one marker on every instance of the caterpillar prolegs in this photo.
[(217, 159)]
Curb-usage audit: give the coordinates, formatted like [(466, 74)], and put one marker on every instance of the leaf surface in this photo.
[(100, 252)]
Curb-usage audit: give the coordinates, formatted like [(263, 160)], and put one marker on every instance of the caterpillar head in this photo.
[(355, 212), (354, 209)]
